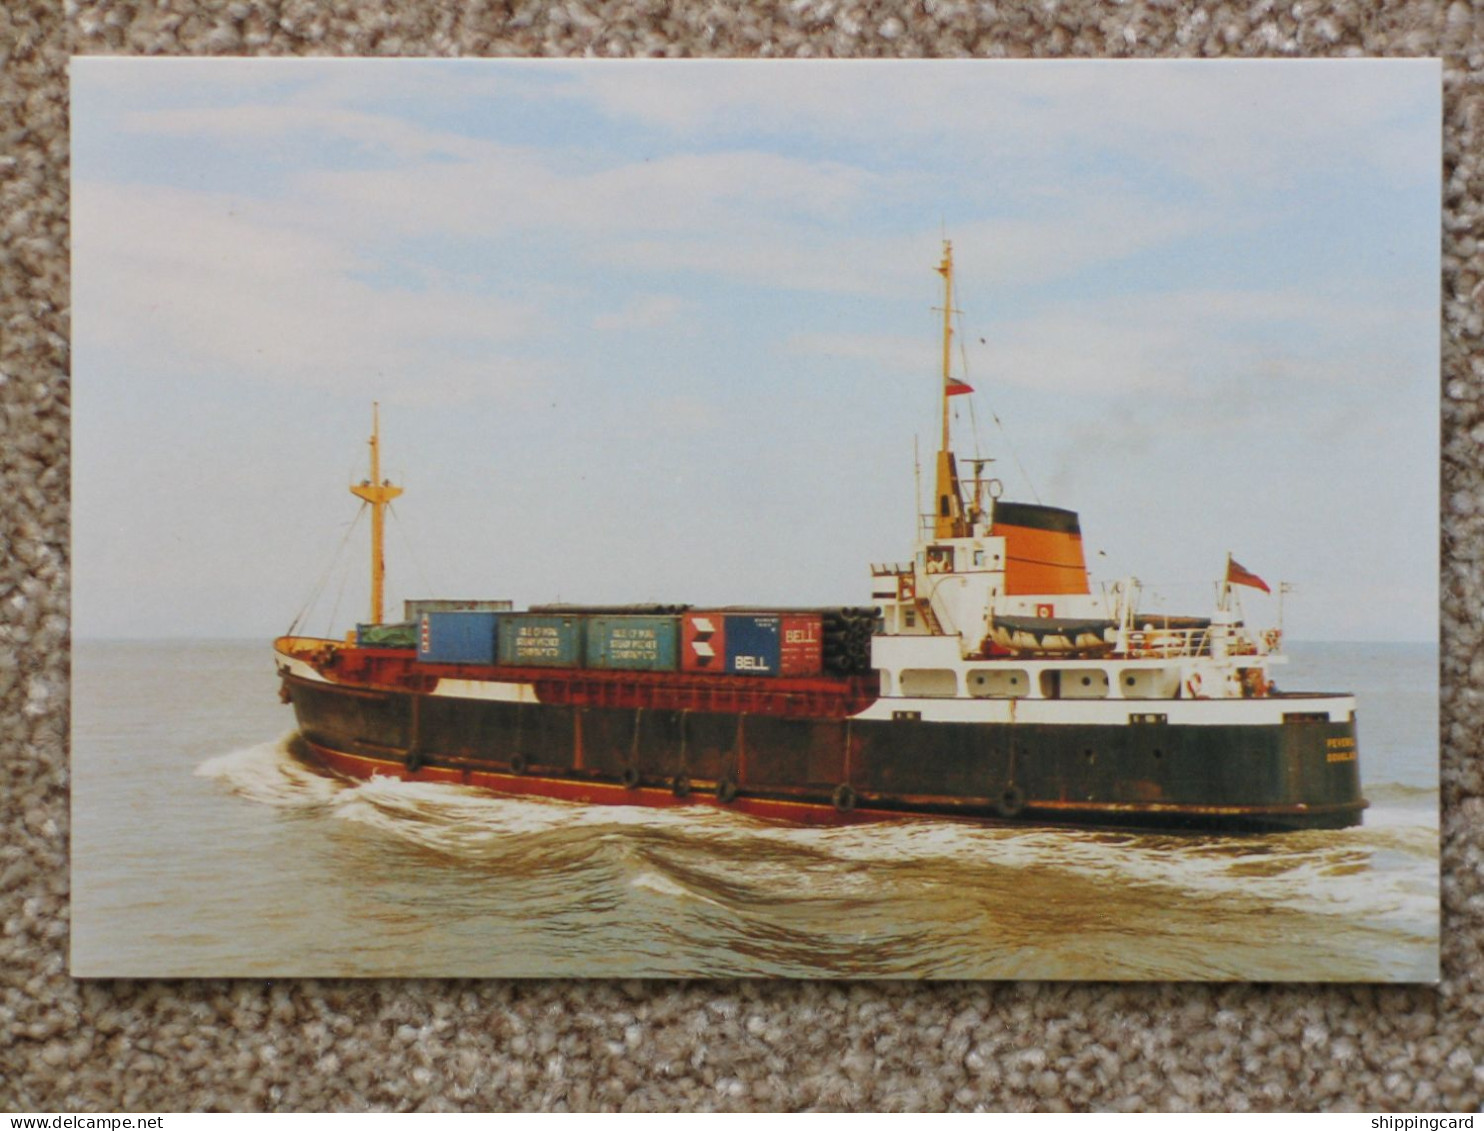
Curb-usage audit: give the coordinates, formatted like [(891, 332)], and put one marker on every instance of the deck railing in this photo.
[(1207, 641)]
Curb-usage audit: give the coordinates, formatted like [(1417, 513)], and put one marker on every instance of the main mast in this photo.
[(948, 516), (379, 493)]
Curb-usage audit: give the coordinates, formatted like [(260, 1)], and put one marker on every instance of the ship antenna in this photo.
[(379, 494), (917, 489), (946, 270), (948, 518)]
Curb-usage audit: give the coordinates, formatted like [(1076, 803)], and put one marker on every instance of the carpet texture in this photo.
[(334, 1045)]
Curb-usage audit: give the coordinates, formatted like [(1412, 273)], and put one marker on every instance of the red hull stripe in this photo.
[(596, 793), (782, 809)]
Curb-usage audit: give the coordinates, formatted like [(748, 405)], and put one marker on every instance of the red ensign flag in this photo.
[(1236, 575)]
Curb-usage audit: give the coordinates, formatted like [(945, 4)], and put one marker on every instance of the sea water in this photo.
[(202, 847)]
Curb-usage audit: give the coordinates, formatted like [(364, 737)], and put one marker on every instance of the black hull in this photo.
[(1298, 775)]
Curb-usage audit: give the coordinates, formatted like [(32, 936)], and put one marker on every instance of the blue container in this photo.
[(457, 638), (752, 644), (540, 640), (633, 643)]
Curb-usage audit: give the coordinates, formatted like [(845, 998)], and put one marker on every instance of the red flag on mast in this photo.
[(1237, 575), (955, 387)]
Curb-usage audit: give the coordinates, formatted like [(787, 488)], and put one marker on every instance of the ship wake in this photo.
[(914, 897)]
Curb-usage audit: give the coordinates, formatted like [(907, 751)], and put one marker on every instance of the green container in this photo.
[(540, 640), (386, 635), (633, 643)]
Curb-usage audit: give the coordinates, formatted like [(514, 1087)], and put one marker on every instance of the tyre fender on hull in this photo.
[(630, 778), (680, 786), (518, 764), (844, 798), (1011, 801), (726, 790), (415, 761)]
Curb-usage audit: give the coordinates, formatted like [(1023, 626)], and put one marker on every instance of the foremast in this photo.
[(378, 493)]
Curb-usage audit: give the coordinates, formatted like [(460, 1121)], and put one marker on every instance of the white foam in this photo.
[(269, 772), (660, 884), (1327, 872)]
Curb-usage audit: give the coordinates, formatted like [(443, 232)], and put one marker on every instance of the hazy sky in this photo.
[(664, 330)]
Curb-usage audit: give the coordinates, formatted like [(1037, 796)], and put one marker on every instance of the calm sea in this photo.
[(201, 847)]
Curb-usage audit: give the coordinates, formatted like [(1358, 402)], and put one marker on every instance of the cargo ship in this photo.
[(984, 680)]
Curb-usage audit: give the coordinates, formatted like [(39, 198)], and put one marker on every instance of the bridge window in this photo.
[(941, 683), (1074, 683), (1150, 683), (1008, 683)]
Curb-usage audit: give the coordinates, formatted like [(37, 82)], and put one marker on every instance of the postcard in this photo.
[(571, 518)]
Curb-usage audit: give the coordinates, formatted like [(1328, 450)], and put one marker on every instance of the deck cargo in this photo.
[(457, 638), (633, 643), (703, 638), (800, 644), (541, 640), (752, 644), (402, 635), (414, 609)]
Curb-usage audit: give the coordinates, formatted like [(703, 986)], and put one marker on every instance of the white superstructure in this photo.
[(996, 604)]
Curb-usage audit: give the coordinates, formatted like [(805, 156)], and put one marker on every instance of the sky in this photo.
[(664, 330)]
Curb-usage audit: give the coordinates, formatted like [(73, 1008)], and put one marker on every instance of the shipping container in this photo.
[(387, 635), (703, 642), (633, 643), (537, 640), (457, 638), (414, 610), (752, 644), (801, 644)]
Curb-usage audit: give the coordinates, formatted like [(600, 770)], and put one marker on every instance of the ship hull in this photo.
[(1295, 774)]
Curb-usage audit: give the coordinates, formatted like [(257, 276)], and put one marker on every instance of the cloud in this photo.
[(276, 122), (801, 216), (1084, 231), (888, 352), (503, 190), (199, 283), (685, 416), (1060, 240), (1231, 126), (643, 312), (1180, 340)]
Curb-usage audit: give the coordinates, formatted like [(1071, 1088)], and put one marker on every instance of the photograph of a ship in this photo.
[(545, 518)]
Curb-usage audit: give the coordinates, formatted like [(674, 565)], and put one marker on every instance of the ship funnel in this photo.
[(1043, 549)]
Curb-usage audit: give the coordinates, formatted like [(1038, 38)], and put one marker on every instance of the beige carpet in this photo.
[(436, 1045)]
